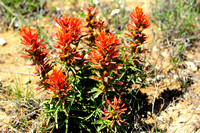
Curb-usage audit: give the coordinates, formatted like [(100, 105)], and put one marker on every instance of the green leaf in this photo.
[(101, 127), (100, 121), (133, 68), (70, 104), (83, 126), (133, 81), (66, 122), (122, 75), (94, 102), (182, 47), (97, 90), (51, 110), (97, 94), (56, 116), (45, 101), (80, 14), (53, 8)]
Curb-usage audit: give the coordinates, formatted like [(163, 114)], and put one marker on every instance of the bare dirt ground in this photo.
[(172, 108)]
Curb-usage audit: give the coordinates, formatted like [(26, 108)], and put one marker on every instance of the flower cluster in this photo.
[(68, 32), (58, 83), (103, 55), (117, 110), (37, 51), (140, 21), (92, 24)]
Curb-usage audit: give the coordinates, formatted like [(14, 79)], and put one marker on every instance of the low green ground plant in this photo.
[(22, 107), (178, 23), (15, 13)]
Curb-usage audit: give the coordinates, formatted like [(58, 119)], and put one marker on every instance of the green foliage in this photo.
[(23, 107), (12, 11), (176, 19)]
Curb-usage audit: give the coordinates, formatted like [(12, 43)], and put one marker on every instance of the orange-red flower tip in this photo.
[(58, 83)]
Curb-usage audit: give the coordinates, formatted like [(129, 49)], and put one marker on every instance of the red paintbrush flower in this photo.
[(37, 51), (103, 57), (140, 21), (90, 11), (30, 39), (29, 36), (94, 26), (58, 83), (68, 32), (105, 52), (117, 108)]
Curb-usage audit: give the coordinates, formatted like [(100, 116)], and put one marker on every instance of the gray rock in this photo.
[(191, 66)]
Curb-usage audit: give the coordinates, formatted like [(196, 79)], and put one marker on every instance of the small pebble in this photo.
[(160, 77), (155, 49), (171, 108), (26, 82), (181, 120), (2, 42), (191, 66)]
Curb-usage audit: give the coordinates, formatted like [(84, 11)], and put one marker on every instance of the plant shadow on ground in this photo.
[(166, 98), (143, 106), (161, 103)]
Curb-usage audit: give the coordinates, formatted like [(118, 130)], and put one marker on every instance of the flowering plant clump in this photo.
[(85, 82)]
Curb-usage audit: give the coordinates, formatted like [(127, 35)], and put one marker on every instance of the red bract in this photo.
[(105, 52), (68, 32), (29, 36), (117, 110), (37, 51), (90, 11), (58, 83), (140, 21)]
